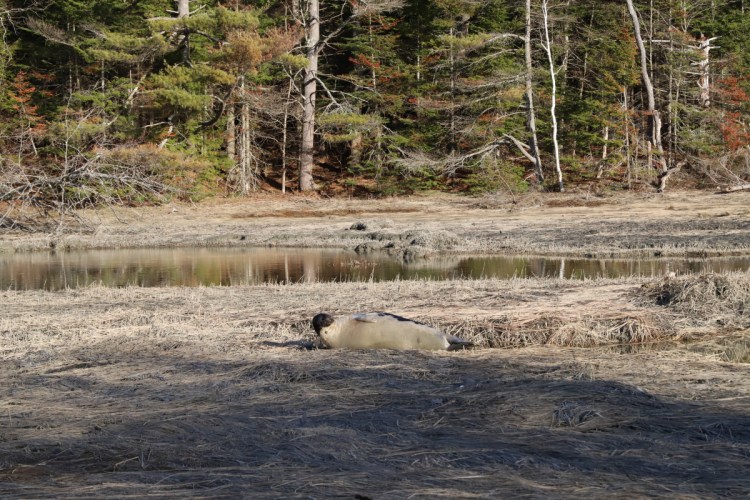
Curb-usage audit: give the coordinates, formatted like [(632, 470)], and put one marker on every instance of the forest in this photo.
[(138, 101)]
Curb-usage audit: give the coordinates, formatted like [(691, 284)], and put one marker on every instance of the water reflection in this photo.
[(231, 266)]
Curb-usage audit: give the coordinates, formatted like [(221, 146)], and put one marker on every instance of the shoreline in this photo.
[(691, 224)]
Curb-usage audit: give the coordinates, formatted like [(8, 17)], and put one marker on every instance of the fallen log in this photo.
[(732, 189)]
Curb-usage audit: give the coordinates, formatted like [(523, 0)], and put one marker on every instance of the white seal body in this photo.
[(380, 331)]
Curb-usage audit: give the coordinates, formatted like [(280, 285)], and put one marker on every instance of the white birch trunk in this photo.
[(548, 49), (605, 140)]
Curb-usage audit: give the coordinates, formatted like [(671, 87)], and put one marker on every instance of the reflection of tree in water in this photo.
[(231, 266)]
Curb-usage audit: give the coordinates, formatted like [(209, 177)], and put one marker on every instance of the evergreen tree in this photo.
[(412, 94)]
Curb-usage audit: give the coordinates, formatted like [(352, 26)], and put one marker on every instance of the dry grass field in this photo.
[(630, 387), (676, 224)]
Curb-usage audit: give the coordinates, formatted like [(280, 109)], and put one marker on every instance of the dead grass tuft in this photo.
[(577, 202), (408, 245), (562, 329), (723, 299), (275, 373), (573, 414), (737, 353)]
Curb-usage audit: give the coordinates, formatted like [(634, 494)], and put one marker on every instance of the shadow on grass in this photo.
[(377, 424)]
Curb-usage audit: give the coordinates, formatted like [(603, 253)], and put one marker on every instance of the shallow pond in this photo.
[(232, 266)]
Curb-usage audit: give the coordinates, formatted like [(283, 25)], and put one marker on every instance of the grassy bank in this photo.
[(209, 392), (489, 312), (693, 224)]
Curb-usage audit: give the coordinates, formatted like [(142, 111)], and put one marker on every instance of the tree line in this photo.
[(125, 101)]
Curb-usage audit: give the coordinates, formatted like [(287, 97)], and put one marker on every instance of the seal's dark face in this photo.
[(321, 321)]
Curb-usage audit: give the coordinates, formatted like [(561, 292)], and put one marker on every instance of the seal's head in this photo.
[(321, 321)]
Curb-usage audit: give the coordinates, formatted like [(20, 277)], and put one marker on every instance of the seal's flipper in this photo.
[(364, 318), (456, 343)]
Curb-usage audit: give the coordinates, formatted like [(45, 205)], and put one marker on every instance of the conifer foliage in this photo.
[(135, 101)]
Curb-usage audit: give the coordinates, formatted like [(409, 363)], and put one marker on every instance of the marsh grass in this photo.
[(737, 353), (723, 299), (278, 423), (574, 224), (562, 329), (222, 392)]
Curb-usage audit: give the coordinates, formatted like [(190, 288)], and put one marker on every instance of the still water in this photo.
[(232, 266)]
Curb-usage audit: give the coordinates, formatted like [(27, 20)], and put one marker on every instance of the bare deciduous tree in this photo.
[(547, 45), (533, 149), (704, 47), (656, 151)]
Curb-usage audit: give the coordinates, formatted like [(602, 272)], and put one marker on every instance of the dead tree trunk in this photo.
[(231, 132), (530, 116), (183, 11), (734, 189), (452, 63), (285, 133), (654, 118), (704, 82), (246, 160), (309, 88), (183, 8), (663, 176), (626, 130)]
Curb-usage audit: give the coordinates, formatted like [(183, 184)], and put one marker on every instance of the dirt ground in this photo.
[(217, 392)]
